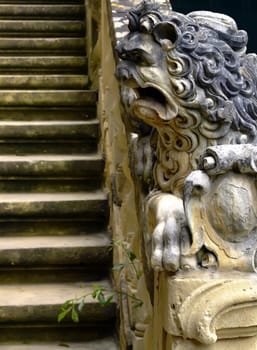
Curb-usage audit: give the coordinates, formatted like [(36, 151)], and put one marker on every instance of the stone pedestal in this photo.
[(209, 311), (249, 343)]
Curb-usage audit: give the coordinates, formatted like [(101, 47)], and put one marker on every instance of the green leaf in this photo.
[(81, 305), (63, 314), (118, 267), (132, 255), (136, 301), (101, 298), (139, 274), (96, 291), (66, 304), (74, 315), (108, 300), (117, 243)]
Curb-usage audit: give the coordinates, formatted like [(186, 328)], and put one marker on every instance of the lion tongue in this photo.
[(148, 109)]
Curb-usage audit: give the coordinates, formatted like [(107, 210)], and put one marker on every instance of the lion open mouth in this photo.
[(151, 105)]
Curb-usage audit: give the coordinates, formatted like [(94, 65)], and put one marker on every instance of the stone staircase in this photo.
[(54, 243)]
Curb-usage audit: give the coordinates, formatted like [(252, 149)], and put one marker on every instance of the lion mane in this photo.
[(212, 82)]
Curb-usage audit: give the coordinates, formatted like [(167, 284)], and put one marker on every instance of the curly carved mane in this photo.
[(210, 55)]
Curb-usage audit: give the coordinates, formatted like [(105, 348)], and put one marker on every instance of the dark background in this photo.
[(244, 13)]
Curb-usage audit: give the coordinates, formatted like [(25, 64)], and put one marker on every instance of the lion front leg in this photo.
[(165, 220)]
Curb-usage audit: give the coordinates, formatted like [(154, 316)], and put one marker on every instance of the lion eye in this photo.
[(140, 58)]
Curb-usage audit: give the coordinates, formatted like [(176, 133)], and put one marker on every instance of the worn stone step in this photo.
[(50, 64), (61, 129), (48, 27), (99, 344), (51, 98), (61, 10), (41, 302), (41, 44), (84, 166), (42, 2), (29, 333), (22, 147), (84, 205), (51, 81), (55, 250), (73, 113), (14, 274), (38, 184), (62, 226)]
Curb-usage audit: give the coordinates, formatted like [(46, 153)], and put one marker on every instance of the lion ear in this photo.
[(166, 34)]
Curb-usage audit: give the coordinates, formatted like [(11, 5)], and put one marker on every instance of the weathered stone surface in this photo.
[(21, 147), (104, 344), (55, 114), (48, 63), (42, 44), (43, 81), (84, 166), (42, 129), (24, 303), (47, 98), (32, 27), (78, 204), (55, 250), (41, 11)]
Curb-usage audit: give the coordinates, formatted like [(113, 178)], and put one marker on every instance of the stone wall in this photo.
[(119, 183)]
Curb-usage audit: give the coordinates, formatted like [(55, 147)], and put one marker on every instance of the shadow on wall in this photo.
[(243, 11)]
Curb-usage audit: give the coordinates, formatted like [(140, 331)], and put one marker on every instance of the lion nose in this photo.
[(119, 50), (122, 73)]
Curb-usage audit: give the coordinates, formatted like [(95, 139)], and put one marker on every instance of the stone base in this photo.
[(202, 311), (177, 343)]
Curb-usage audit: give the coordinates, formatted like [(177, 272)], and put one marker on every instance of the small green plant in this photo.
[(130, 259), (76, 305), (104, 297)]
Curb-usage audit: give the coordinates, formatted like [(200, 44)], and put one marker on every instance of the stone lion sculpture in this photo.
[(189, 77)]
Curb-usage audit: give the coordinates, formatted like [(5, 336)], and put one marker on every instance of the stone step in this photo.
[(51, 81), (45, 64), (62, 226), (86, 205), (50, 184), (73, 113), (22, 147), (47, 27), (51, 98), (41, 302), (15, 274), (61, 334), (55, 250), (39, 11), (42, 2), (99, 344), (49, 130), (51, 166), (65, 44)]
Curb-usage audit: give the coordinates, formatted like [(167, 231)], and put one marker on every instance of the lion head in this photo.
[(192, 81)]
